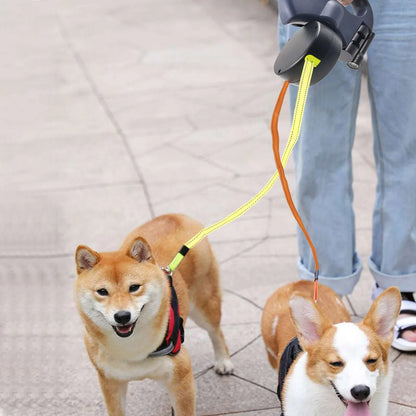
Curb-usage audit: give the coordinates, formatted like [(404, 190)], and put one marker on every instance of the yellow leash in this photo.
[(310, 63)]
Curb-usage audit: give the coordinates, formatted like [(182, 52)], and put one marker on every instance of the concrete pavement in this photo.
[(114, 112)]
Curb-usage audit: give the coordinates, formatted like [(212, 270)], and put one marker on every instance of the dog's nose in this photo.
[(360, 392), (122, 317)]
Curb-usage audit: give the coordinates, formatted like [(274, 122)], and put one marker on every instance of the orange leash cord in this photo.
[(285, 186)]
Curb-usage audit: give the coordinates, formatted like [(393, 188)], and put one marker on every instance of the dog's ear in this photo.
[(309, 321), (383, 314), (140, 250), (85, 258)]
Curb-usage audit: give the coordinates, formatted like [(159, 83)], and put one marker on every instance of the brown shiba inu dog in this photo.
[(128, 307)]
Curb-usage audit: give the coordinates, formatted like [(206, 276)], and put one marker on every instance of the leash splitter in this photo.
[(310, 62), (329, 32)]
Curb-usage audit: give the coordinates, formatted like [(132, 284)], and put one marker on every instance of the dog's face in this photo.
[(348, 357), (113, 290)]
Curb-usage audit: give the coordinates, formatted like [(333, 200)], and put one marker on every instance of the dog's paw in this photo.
[(224, 367)]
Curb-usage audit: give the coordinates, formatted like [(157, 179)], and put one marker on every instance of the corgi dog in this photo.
[(326, 364), (133, 311)]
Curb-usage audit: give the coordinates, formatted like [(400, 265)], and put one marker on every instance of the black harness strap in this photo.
[(292, 350), (175, 334)]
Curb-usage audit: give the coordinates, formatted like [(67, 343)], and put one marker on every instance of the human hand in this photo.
[(345, 2)]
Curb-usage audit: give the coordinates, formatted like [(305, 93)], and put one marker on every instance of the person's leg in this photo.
[(392, 89), (324, 176)]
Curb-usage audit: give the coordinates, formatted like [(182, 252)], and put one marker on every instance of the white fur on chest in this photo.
[(156, 368), (127, 358)]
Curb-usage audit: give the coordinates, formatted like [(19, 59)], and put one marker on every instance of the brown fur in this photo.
[(196, 283), (277, 306)]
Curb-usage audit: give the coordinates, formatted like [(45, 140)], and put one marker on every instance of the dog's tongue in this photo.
[(357, 409), (124, 329)]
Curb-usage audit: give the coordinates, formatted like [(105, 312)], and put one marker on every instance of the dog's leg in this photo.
[(206, 313), (181, 385), (223, 363), (114, 393), (208, 317)]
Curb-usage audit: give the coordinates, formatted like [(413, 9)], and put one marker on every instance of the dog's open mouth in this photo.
[(357, 409), (353, 408), (124, 331)]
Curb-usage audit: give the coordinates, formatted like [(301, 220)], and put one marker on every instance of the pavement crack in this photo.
[(244, 298), (247, 249), (254, 383), (204, 371), (244, 411), (246, 345), (410, 406), (104, 105)]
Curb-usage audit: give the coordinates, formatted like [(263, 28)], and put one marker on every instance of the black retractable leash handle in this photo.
[(329, 32)]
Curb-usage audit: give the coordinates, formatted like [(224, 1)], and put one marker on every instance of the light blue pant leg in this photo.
[(392, 88), (324, 177)]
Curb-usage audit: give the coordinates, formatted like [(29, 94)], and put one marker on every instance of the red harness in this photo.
[(175, 334)]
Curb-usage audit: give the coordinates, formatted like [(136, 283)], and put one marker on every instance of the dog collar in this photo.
[(175, 334)]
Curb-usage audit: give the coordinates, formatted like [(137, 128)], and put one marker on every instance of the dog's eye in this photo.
[(336, 364), (134, 288), (102, 292), (371, 361)]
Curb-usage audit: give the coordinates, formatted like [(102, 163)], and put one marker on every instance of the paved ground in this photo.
[(111, 113)]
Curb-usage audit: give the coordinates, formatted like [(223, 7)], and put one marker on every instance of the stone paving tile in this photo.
[(219, 395), (225, 250), (361, 296), (363, 169), (252, 364), (248, 156), (400, 410), (23, 215), (235, 11), (253, 275), (74, 112), (222, 117), (150, 38), (174, 166), (49, 96), (200, 348), (404, 380), (274, 411), (214, 139), (99, 216), (258, 280), (165, 192), (364, 197), (53, 163), (274, 247), (130, 109), (237, 312)]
